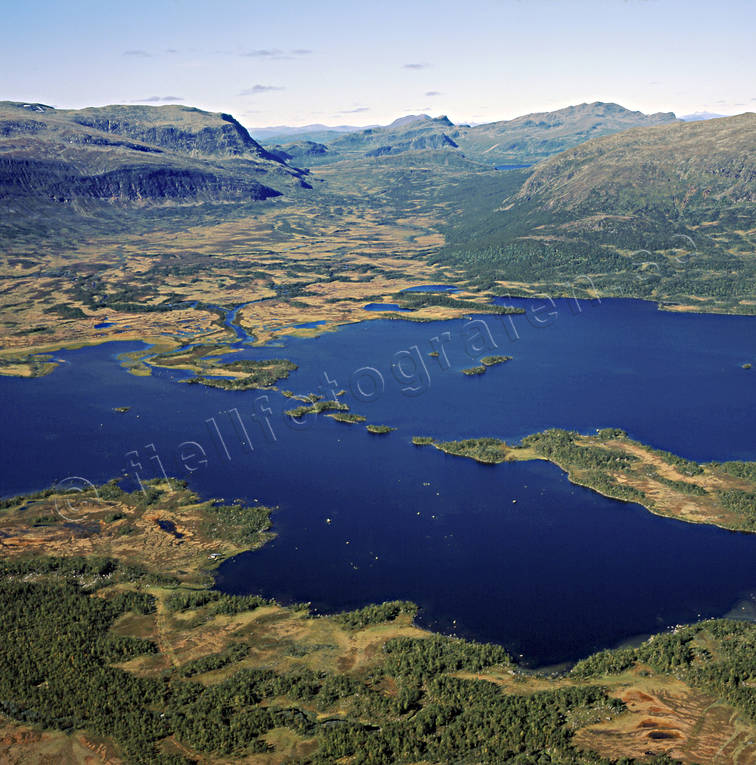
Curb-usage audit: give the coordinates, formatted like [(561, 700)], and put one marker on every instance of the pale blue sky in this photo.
[(338, 62)]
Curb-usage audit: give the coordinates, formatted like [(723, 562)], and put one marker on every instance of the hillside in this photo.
[(662, 212), (681, 166), (182, 129), (532, 137), (67, 162)]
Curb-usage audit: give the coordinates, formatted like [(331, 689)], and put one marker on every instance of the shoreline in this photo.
[(696, 497), (172, 343)]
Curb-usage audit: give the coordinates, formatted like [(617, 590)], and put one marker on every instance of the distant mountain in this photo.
[(286, 134), (182, 129), (698, 116), (420, 120), (132, 154), (300, 152), (532, 137), (410, 133), (524, 140)]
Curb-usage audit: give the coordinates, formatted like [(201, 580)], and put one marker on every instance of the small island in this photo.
[(316, 407), (209, 370), (379, 429), (485, 362), (491, 361), (347, 417), (247, 374)]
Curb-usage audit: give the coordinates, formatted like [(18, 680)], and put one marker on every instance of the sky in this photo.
[(293, 62)]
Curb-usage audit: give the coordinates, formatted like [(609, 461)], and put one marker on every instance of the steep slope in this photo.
[(664, 212), (530, 138), (66, 159), (181, 129)]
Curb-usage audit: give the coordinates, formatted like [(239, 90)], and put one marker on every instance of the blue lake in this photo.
[(512, 553)]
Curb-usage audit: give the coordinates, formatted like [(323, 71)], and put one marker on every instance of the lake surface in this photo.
[(512, 553)]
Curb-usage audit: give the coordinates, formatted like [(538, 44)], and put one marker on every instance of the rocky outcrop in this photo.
[(226, 139)]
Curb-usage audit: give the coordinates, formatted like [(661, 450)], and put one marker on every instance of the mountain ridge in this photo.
[(133, 154), (526, 139)]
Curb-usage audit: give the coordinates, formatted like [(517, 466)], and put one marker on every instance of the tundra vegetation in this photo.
[(115, 659)]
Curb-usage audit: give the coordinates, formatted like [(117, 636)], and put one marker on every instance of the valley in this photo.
[(239, 347)]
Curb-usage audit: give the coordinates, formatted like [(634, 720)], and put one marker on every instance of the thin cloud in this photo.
[(276, 53), (158, 99), (256, 89), (138, 53), (415, 66), (356, 110), (432, 93), (263, 53)]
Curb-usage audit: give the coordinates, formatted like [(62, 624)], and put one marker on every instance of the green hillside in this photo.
[(62, 169), (532, 137), (661, 212)]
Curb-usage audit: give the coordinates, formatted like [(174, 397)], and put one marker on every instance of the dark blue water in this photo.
[(103, 325), (672, 380), (554, 575), (511, 167)]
